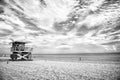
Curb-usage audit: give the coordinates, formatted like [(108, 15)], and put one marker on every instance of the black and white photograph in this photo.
[(59, 39)]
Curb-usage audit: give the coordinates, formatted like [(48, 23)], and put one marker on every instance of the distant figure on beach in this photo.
[(7, 61), (79, 58)]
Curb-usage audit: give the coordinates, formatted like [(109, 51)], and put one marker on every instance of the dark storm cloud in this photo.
[(43, 2), (13, 2), (5, 32), (30, 24), (34, 34), (1, 10), (2, 2), (82, 30), (18, 13), (32, 28), (2, 19), (112, 1), (117, 27)]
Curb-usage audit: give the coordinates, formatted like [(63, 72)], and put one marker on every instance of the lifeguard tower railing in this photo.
[(21, 49)]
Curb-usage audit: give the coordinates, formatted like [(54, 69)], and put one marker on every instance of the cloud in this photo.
[(61, 25)]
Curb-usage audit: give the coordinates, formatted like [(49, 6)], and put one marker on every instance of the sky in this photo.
[(61, 26)]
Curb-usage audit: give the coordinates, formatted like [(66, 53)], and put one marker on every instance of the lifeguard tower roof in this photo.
[(19, 42)]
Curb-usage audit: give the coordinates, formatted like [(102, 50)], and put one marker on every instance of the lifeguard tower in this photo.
[(20, 51)]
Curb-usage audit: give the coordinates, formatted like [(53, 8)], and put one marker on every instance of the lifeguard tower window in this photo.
[(18, 46)]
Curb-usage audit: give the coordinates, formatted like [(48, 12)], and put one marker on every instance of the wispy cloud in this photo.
[(62, 25)]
